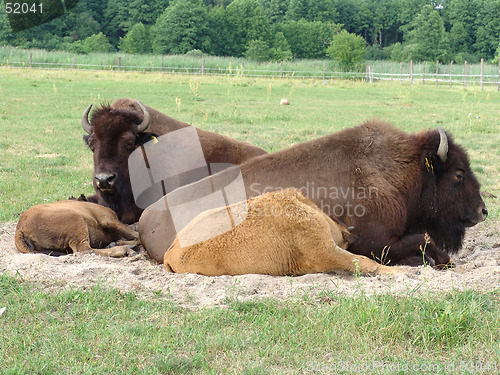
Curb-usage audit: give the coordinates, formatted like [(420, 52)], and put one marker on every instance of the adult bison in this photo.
[(115, 131), (396, 189)]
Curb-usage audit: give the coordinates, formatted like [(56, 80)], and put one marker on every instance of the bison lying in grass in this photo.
[(73, 226), (284, 233)]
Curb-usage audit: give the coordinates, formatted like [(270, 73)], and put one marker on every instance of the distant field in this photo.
[(43, 157)]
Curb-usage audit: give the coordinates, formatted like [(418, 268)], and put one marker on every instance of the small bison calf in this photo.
[(284, 233), (73, 226)]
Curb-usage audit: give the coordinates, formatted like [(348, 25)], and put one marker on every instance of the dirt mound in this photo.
[(478, 267)]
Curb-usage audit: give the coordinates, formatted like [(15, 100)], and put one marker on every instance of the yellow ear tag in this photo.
[(154, 139)]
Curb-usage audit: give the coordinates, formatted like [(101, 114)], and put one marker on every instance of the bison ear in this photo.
[(86, 139), (431, 162), (143, 138)]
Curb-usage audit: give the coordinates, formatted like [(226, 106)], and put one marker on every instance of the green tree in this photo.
[(181, 28), (258, 50), (307, 39), (219, 32), (427, 37), (347, 49), (488, 28), (137, 40), (94, 43), (247, 21), (281, 49), (297, 10)]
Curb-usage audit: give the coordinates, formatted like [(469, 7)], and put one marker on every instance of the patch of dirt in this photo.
[(478, 267)]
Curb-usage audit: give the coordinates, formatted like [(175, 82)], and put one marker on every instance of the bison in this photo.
[(396, 189), (73, 226), (115, 131), (283, 233)]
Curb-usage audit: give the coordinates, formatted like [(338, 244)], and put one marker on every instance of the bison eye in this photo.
[(130, 145), (459, 176)]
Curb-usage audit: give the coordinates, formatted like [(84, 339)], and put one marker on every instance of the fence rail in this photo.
[(405, 73)]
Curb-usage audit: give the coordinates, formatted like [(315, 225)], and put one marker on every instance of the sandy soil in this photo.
[(478, 267)]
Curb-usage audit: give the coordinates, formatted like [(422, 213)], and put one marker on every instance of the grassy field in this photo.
[(43, 158)]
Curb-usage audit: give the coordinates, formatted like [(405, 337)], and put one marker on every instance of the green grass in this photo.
[(43, 157), (106, 331)]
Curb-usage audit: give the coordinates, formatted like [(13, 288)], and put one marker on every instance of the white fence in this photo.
[(404, 73)]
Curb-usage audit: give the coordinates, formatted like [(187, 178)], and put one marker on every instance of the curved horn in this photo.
[(85, 120), (442, 151), (147, 117)]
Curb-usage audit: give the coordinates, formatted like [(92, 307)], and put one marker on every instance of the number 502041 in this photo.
[(23, 8)]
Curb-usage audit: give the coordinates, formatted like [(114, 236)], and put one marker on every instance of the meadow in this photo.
[(43, 158)]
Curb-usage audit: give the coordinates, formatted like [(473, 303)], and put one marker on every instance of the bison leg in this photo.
[(417, 249)]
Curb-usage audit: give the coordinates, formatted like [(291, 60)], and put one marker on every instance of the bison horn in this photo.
[(85, 120), (442, 151), (145, 122)]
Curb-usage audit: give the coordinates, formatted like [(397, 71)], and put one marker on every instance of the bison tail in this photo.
[(24, 244)]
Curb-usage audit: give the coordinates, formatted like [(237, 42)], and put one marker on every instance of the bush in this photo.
[(258, 50), (348, 49)]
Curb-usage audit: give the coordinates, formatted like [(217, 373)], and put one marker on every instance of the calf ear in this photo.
[(144, 137)]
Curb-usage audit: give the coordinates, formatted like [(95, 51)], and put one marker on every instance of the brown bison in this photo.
[(283, 233), (115, 131), (396, 189), (73, 226)]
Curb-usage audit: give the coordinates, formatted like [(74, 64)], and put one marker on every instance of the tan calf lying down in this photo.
[(72, 226), (284, 233)]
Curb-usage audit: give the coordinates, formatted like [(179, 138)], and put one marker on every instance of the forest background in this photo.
[(273, 30)]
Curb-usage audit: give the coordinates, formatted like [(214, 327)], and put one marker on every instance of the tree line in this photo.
[(400, 30)]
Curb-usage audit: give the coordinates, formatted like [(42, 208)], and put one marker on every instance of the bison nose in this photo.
[(105, 181), (485, 213)]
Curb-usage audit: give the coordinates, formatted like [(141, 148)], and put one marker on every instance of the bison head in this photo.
[(451, 199), (113, 134)]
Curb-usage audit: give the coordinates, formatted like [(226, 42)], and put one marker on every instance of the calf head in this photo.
[(451, 199), (113, 134)]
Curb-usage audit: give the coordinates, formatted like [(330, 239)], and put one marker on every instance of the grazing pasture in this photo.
[(54, 326)]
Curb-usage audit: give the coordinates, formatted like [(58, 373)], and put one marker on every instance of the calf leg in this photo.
[(119, 229), (340, 259), (83, 246)]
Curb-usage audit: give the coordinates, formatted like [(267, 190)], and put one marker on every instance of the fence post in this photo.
[(423, 76), (31, 58), (437, 71), (324, 70), (162, 64), (202, 66), (465, 74), (281, 70), (119, 58), (74, 62), (391, 71), (451, 71), (411, 72), (401, 72), (482, 74), (498, 74)]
